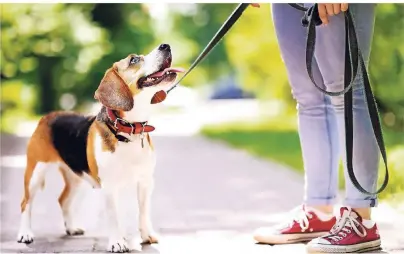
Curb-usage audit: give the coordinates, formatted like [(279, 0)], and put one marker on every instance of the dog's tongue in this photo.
[(161, 73)]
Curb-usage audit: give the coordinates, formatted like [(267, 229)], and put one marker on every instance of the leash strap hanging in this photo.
[(353, 57), (215, 40)]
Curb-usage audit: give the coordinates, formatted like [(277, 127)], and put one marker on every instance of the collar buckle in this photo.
[(125, 122)]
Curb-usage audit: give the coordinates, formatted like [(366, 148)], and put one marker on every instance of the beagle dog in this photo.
[(110, 150)]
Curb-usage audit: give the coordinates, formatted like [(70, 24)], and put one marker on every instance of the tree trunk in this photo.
[(47, 94)]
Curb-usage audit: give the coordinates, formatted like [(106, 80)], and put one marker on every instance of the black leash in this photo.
[(215, 40), (353, 57)]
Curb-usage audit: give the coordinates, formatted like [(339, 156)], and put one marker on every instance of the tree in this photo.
[(49, 47), (254, 52), (387, 63), (129, 30)]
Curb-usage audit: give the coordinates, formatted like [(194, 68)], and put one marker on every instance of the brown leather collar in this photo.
[(121, 125)]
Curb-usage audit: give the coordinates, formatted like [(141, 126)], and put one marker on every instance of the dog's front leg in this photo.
[(116, 243), (144, 191)]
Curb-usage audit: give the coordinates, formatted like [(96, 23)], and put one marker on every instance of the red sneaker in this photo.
[(304, 226), (349, 234)]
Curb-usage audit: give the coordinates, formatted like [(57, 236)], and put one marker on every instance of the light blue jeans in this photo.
[(320, 117)]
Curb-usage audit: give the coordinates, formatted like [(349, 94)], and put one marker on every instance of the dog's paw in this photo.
[(119, 246), (74, 231), (25, 236), (149, 237)]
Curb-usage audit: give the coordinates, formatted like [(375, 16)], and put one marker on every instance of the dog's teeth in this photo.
[(151, 79)]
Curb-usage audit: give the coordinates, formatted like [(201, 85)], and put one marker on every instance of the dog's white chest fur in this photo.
[(129, 163)]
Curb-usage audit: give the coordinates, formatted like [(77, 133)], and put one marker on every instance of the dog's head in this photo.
[(137, 77)]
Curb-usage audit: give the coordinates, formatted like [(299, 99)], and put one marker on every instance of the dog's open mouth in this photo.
[(165, 73)]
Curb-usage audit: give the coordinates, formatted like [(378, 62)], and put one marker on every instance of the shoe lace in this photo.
[(345, 225), (300, 216)]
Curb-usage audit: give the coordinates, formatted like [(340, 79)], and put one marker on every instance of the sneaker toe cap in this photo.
[(265, 235), (319, 240), (265, 231)]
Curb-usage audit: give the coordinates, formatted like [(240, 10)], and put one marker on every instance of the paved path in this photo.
[(208, 199)]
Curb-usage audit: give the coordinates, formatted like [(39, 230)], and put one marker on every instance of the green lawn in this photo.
[(278, 141)]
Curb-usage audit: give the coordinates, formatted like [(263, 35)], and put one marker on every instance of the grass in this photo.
[(278, 140), (272, 140)]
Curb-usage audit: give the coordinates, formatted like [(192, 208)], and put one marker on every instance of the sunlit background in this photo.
[(53, 57)]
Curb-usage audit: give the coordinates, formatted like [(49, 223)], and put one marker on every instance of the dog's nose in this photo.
[(164, 47)]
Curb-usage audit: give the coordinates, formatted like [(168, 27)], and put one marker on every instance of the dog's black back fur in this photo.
[(69, 134)]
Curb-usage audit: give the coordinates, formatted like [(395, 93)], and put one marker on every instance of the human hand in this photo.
[(325, 10), (257, 5)]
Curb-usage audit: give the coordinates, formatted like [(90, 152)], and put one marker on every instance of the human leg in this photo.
[(354, 231), (316, 118), (330, 48), (318, 136)]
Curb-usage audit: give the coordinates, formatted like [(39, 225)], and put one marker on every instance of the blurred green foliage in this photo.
[(387, 63), (54, 55), (261, 70), (50, 47)]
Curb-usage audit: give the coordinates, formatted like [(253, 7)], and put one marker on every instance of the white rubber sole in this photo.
[(361, 247), (288, 238)]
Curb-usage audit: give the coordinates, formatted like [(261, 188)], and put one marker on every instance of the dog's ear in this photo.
[(113, 92), (159, 97)]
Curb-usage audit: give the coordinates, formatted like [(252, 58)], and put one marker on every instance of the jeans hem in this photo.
[(361, 203)]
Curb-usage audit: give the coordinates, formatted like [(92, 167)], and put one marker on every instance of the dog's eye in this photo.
[(134, 60)]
